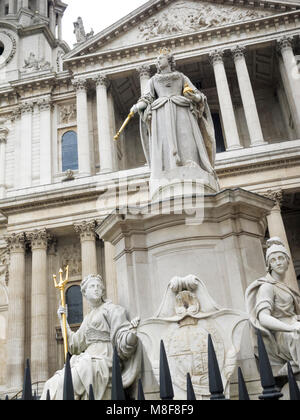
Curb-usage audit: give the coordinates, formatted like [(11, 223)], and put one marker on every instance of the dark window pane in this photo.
[(219, 133), (69, 151), (74, 302)]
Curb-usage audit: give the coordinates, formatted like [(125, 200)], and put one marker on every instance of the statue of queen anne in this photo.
[(175, 122)]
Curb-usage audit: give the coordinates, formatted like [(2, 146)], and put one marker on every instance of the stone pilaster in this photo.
[(25, 164), (247, 95), (86, 231), (3, 140), (144, 72), (84, 157), (16, 311), (45, 108), (226, 106), (277, 229), (39, 305), (106, 149)]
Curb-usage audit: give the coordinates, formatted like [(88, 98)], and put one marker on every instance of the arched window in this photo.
[(69, 151), (74, 302)]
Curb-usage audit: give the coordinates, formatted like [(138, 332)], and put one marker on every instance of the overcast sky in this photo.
[(96, 14)]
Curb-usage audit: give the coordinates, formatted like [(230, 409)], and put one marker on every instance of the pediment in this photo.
[(176, 17)]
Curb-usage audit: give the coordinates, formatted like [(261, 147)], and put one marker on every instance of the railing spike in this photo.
[(243, 392), (190, 389), (91, 393), (68, 391), (141, 395), (48, 396), (270, 391), (27, 387), (293, 386), (166, 387), (117, 390), (215, 380)]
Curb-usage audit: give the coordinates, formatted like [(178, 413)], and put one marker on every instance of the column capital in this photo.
[(238, 52), (3, 134), (44, 104), (16, 242), (80, 84), (102, 80), (26, 107), (276, 196), (284, 43), (144, 70), (38, 239), (216, 56), (86, 230)]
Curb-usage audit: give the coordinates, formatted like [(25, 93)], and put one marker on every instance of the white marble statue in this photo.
[(274, 309), (105, 327), (176, 124), (187, 315)]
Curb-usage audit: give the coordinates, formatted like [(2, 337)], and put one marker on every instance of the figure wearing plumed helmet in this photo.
[(274, 309)]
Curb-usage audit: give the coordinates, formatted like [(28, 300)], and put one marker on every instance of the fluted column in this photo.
[(45, 108), (84, 154), (25, 164), (86, 231), (292, 76), (105, 141), (277, 228), (247, 95), (39, 305), (227, 111), (3, 140), (16, 312), (145, 75)]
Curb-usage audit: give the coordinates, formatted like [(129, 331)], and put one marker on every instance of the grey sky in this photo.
[(96, 14)]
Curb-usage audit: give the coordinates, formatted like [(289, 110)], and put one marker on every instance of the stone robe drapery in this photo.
[(176, 131), (284, 305), (91, 347)]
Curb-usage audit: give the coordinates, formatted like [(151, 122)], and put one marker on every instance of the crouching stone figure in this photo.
[(104, 327)]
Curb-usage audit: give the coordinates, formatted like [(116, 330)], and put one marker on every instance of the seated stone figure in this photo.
[(104, 328), (274, 309)]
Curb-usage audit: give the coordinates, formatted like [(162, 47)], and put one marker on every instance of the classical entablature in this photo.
[(185, 27)]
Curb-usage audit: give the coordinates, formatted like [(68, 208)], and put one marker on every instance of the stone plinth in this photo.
[(221, 244)]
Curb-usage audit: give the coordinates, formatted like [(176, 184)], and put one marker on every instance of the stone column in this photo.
[(227, 111), (16, 312), (277, 228), (110, 272), (25, 4), (285, 46), (25, 164), (11, 7), (52, 17), (145, 75), (59, 25), (247, 95), (45, 108), (3, 140), (86, 231), (84, 156), (106, 150), (39, 305)]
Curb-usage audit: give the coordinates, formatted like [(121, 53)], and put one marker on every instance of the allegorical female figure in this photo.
[(105, 327), (176, 125), (274, 309)]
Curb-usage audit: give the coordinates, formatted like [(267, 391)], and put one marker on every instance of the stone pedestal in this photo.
[(218, 239)]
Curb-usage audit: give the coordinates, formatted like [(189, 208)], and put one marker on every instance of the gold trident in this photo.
[(61, 286)]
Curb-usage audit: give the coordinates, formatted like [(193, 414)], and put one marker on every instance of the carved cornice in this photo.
[(38, 239), (16, 242), (144, 71), (86, 230)]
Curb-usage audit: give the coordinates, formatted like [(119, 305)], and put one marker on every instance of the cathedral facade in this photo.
[(60, 167)]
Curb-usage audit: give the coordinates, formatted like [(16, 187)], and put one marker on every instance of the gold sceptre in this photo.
[(61, 286), (126, 122)]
